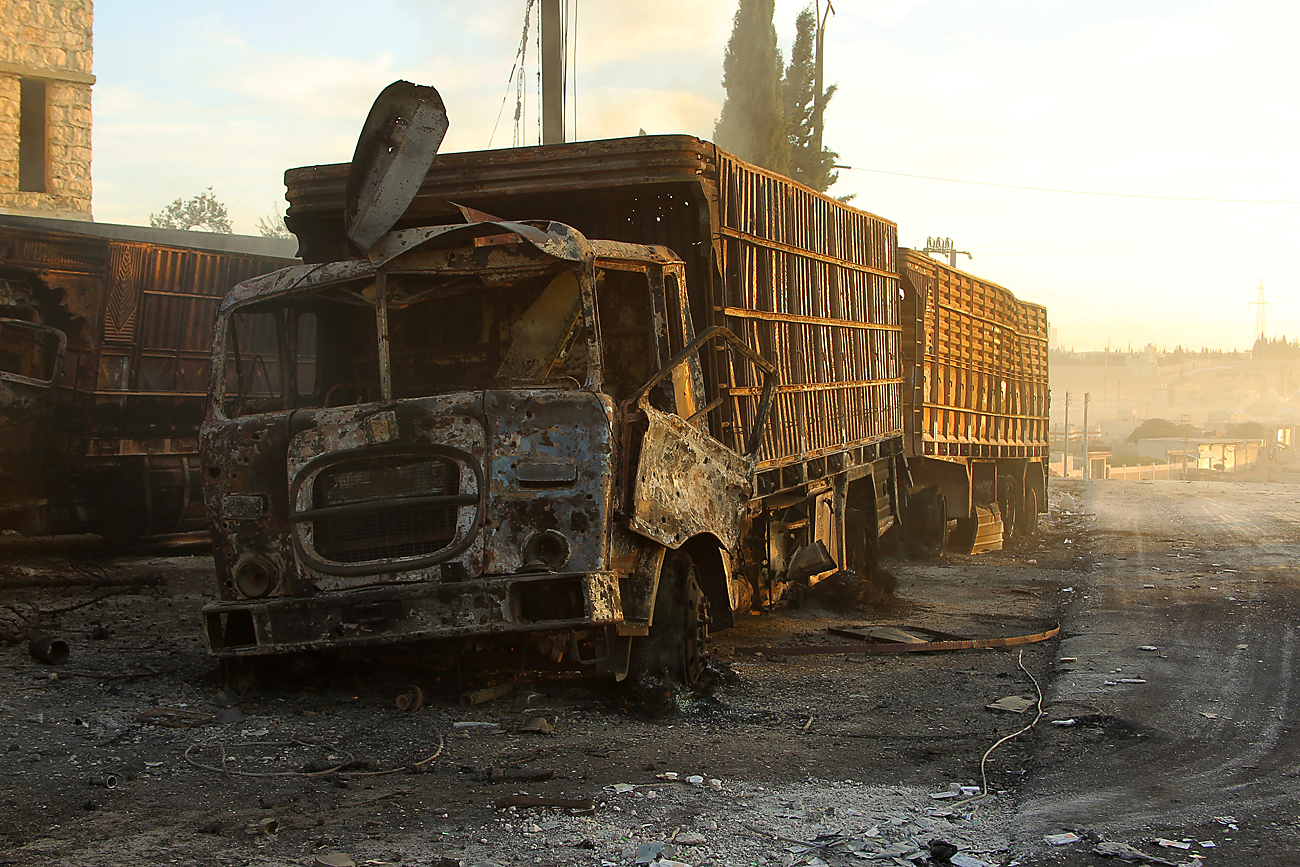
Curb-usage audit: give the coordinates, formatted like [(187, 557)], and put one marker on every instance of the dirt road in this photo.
[(1207, 574), (802, 760)]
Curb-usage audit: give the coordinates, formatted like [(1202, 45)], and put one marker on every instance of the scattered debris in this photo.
[(539, 725), (1062, 839), (1064, 722), (1125, 852), (175, 718), (961, 859), (49, 649), (410, 700), (527, 801), (903, 647), (1012, 704), (333, 859), (488, 693), (1170, 844)]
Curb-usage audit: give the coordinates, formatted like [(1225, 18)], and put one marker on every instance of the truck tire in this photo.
[(678, 644), (927, 518), (1027, 524), (1010, 504)]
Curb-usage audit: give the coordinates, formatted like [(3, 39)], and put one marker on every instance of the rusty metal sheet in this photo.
[(398, 142), (687, 483), (900, 647)]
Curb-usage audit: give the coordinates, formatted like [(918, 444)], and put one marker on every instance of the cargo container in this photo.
[(976, 405), (105, 340)]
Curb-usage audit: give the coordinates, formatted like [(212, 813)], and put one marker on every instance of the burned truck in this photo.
[(618, 393)]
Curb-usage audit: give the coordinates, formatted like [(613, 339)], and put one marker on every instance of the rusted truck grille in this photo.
[(385, 507), (400, 530)]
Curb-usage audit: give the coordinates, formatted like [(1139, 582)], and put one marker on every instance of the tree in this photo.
[(1162, 428), (272, 226), (203, 213), (751, 124), (799, 89)]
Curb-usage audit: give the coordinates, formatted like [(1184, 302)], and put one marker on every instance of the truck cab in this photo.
[(487, 435)]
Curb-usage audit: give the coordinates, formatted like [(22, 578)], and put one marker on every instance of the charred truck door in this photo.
[(491, 436)]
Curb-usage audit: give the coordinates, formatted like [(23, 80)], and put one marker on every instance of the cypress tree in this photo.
[(799, 110), (752, 125)]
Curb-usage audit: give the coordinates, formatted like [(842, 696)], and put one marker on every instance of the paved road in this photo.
[(1207, 573)]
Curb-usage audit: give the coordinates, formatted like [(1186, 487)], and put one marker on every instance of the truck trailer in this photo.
[(976, 405), (580, 404), (105, 340)]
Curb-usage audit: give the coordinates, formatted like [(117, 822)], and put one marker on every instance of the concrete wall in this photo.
[(50, 41)]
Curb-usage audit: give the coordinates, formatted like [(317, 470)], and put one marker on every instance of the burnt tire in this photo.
[(1010, 504), (677, 647), (1027, 523), (927, 522)]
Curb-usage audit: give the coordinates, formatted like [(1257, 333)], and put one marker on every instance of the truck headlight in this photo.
[(545, 551), (254, 577)]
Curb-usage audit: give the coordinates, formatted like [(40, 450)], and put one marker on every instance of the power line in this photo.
[(1075, 192), (1129, 229), (1104, 327), (1086, 251)]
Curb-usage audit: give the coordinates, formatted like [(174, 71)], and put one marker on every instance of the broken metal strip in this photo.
[(802, 253), (796, 388), (976, 644), (771, 316), (383, 505)]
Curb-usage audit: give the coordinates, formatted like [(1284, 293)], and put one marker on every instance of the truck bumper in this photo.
[(405, 613)]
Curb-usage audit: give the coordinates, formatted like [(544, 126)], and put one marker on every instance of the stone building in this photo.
[(45, 79)]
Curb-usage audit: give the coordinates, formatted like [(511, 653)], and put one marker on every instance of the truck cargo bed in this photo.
[(978, 362), (808, 281)]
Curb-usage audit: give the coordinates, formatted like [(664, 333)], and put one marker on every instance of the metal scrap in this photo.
[(974, 644)]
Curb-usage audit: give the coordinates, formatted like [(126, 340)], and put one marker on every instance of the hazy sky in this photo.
[(1189, 100)]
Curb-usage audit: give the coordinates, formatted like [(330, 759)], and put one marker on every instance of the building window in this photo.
[(32, 149)]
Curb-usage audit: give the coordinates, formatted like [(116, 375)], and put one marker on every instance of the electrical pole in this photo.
[(819, 101), (1261, 313), (552, 73), (1086, 467), (1065, 449)]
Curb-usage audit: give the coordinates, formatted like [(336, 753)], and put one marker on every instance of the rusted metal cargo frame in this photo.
[(808, 281), (977, 397), (137, 307)]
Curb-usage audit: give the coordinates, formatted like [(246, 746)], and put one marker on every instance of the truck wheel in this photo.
[(1010, 501), (1028, 518), (927, 516), (678, 644)]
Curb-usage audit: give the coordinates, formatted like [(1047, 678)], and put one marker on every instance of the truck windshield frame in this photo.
[(431, 330)]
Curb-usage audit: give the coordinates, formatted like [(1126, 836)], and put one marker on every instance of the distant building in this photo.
[(45, 80)]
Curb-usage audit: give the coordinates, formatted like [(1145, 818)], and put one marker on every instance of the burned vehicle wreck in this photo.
[(485, 436)]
